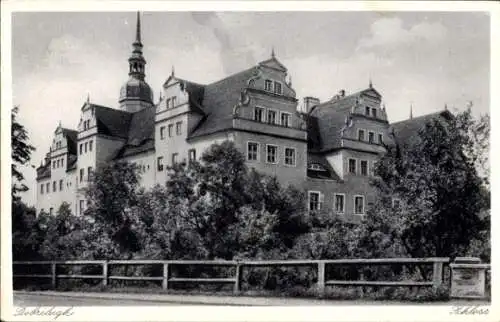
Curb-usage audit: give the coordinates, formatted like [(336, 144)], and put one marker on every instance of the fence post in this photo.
[(237, 278), (105, 273), (321, 277), (437, 274), (54, 274), (165, 276)]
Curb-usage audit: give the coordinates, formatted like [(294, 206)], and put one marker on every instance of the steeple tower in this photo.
[(136, 93), (137, 63)]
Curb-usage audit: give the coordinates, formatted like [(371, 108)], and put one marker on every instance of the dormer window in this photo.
[(277, 88), (316, 167), (168, 103), (374, 112), (269, 85), (367, 110), (174, 99)]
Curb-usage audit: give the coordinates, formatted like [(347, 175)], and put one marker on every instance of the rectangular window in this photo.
[(364, 167), (54, 186), (58, 162), (170, 130), (277, 88), (61, 185), (62, 162), (380, 138), (174, 158), (160, 163), (314, 200), (192, 155), (178, 128), (82, 205), (371, 137), (259, 114), (339, 205), (41, 189), (367, 110), (396, 202), (271, 116), (269, 85), (81, 148), (54, 164), (374, 112), (285, 119), (86, 145), (252, 151), (47, 187), (162, 133), (272, 154), (361, 135), (168, 103), (89, 173), (90, 145), (359, 205), (290, 156), (82, 173), (352, 166), (174, 101)]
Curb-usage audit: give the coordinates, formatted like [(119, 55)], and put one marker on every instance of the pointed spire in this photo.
[(138, 29), (273, 55), (173, 71), (411, 111), (370, 83), (290, 81), (88, 98)]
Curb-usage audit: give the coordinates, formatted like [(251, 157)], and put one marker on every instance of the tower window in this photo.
[(290, 156), (359, 205), (339, 205), (352, 166), (162, 133), (371, 137), (272, 154), (269, 85), (363, 164), (361, 135), (170, 130), (277, 88), (160, 163), (271, 116), (252, 151), (259, 114)]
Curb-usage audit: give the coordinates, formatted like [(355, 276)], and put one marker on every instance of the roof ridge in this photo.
[(232, 75), (419, 117)]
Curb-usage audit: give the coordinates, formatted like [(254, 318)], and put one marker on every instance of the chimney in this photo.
[(309, 103)]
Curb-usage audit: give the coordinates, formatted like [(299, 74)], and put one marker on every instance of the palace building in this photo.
[(326, 148)]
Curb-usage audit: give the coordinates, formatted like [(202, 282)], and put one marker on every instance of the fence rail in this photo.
[(166, 278)]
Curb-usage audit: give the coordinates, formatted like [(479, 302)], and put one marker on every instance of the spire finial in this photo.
[(445, 106), (273, 55), (411, 110), (173, 71), (138, 29), (290, 81), (370, 83), (88, 97)]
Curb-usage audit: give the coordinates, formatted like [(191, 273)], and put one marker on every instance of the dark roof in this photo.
[(142, 127), (196, 94), (71, 164), (71, 139), (43, 171), (406, 131), (112, 122), (313, 158), (218, 102)]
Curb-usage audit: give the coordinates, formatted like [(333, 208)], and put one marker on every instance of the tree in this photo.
[(441, 194), (28, 232), (21, 154), (111, 193)]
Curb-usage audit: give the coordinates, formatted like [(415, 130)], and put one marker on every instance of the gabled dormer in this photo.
[(272, 78), (87, 117)]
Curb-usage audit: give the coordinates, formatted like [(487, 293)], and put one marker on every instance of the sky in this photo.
[(419, 59)]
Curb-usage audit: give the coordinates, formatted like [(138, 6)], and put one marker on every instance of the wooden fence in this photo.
[(236, 279)]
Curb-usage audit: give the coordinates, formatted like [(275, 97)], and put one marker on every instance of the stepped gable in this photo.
[(219, 99)]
